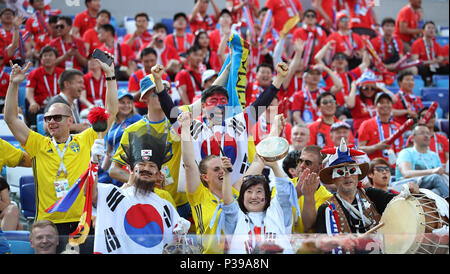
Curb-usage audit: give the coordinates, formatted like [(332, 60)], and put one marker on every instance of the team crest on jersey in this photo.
[(75, 147)]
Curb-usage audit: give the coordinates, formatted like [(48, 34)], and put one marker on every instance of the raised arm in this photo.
[(18, 127), (111, 99), (187, 153)]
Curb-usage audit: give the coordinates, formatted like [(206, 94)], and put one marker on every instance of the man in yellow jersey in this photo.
[(311, 194), (204, 190), (58, 161), (9, 211), (154, 121)]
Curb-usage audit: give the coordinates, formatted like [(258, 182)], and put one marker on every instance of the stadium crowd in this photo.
[(337, 82)]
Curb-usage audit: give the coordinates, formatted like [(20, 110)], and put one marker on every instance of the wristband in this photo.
[(110, 78)]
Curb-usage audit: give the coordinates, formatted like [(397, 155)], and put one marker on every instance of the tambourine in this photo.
[(272, 149)]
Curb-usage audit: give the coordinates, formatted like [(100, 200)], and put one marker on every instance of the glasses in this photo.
[(310, 15), (341, 171), (60, 26), (307, 162), (382, 168), (326, 102), (57, 118), (340, 57), (369, 88)]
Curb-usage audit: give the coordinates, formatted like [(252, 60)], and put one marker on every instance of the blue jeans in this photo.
[(435, 183)]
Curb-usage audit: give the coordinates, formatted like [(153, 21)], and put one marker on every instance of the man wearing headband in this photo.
[(135, 219), (351, 209)]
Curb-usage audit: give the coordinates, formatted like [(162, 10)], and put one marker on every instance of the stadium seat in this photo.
[(27, 197), (122, 85), (443, 31), (418, 85), (443, 126), (169, 24), (439, 111), (441, 81), (442, 41), (40, 123), (20, 247), (393, 89), (17, 235), (439, 95)]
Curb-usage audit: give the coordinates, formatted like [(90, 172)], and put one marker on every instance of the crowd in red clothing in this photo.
[(329, 50)]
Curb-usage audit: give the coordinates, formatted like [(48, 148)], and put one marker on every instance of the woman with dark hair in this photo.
[(255, 218), (210, 58)]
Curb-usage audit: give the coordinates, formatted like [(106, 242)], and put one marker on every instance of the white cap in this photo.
[(207, 75)]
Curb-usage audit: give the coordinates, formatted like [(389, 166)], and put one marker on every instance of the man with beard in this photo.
[(135, 219)]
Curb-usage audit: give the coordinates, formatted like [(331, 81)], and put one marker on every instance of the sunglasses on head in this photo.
[(341, 171), (56, 118), (254, 177)]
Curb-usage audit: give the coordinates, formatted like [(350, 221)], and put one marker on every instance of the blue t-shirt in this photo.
[(115, 132), (419, 161)]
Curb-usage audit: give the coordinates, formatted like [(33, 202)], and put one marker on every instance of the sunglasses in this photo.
[(310, 15), (341, 171), (56, 118), (326, 102), (382, 168), (60, 26), (340, 57), (254, 177), (369, 88), (307, 162)]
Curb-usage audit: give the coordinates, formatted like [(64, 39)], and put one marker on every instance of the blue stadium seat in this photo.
[(169, 24), (393, 89), (27, 197), (17, 235), (122, 84), (439, 111), (418, 85), (121, 32), (19, 241), (40, 123), (441, 81), (442, 41), (443, 126), (439, 95)]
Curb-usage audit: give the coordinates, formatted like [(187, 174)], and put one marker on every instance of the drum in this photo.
[(272, 149), (409, 224)]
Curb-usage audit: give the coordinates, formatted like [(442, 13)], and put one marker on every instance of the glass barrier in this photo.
[(109, 243)]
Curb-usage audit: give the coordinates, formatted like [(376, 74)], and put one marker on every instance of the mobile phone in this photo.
[(102, 56)]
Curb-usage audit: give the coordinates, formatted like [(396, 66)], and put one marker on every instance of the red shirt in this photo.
[(207, 23), (166, 55), (38, 79), (193, 87), (305, 102), (64, 47), (42, 40), (429, 52), (360, 14), (35, 26), (4, 82), (385, 51), (84, 22), (411, 17), (444, 53), (5, 38), (237, 15), (90, 37), (252, 92), (125, 52), (319, 134), (438, 143), (214, 40), (346, 43), (406, 101), (362, 111), (347, 78), (282, 11), (330, 7), (181, 43), (139, 41), (319, 37), (95, 89), (262, 129), (369, 132)]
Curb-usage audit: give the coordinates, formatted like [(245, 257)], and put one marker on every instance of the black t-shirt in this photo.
[(3, 184), (380, 199)]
